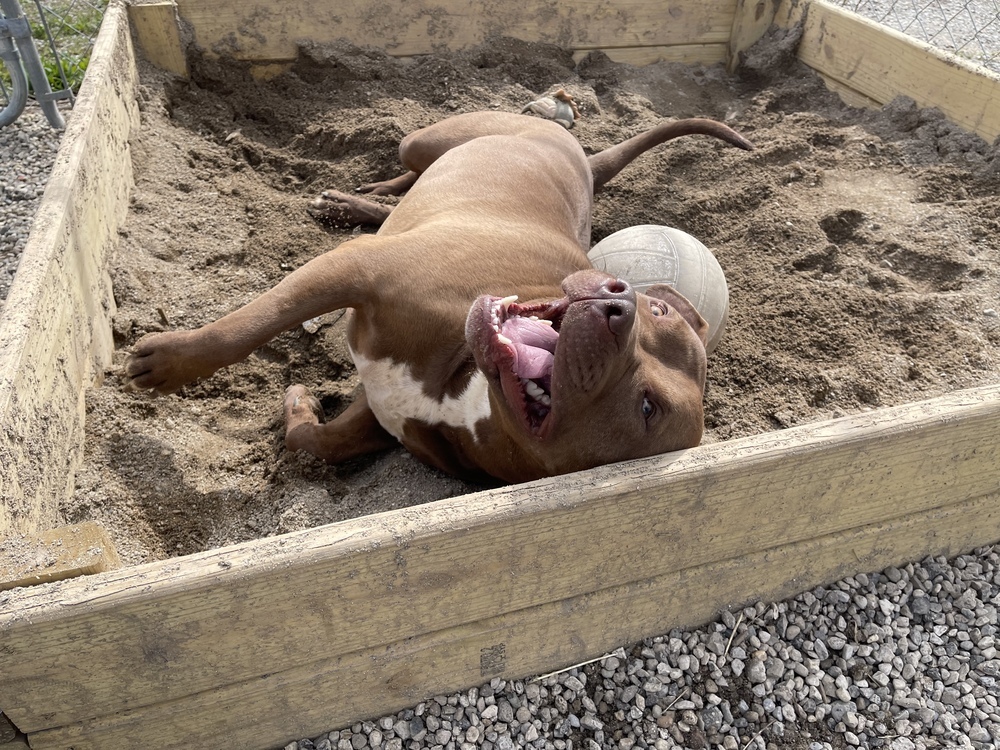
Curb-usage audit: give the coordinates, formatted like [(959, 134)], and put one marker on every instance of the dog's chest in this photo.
[(394, 396)]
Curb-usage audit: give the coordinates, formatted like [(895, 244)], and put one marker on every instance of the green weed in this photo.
[(74, 25)]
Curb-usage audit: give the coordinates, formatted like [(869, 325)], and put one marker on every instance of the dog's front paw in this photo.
[(163, 362)]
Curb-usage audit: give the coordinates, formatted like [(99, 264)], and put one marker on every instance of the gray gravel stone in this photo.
[(756, 672), (28, 149), (861, 671), (489, 713), (712, 719)]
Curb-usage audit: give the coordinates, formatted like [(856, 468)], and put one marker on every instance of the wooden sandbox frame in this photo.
[(267, 641)]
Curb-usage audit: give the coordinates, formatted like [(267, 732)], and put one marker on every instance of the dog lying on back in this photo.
[(486, 342)]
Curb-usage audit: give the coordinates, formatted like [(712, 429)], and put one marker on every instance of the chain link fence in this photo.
[(62, 33), (968, 28)]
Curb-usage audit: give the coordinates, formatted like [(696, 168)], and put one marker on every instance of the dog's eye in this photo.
[(648, 409), (658, 308)]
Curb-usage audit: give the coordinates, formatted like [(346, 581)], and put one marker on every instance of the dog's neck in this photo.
[(397, 395), (448, 424)]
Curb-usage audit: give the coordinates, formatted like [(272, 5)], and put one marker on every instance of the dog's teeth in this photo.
[(544, 322), (533, 390), (504, 340), (507, 301)]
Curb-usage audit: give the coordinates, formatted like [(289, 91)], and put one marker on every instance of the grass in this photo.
[(73, 25)]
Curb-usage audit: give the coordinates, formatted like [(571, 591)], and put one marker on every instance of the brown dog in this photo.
[(575, 371)]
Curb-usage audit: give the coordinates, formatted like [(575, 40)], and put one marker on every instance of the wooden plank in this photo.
[(55, 332), (849, 96), (277, 708), (422, 26), (158, 35), (159, 632), (704, 54), (882, 63), (752, 19), (10, 737), (65, 552), (8, 732), (268, 70)]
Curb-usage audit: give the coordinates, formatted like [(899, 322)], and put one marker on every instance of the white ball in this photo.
[(650, 254)]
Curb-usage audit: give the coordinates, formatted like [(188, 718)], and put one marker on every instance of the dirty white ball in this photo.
[(650, 254)]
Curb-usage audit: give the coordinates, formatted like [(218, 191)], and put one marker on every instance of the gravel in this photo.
[(27, 151), (904, 659)]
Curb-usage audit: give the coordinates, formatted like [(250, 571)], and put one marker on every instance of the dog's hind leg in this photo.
[(421, 148), (344, 208), (395, 186), (417, 151), (354, 432)]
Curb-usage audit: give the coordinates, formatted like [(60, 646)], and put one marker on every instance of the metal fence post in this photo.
[(19, 30), (19, 90)]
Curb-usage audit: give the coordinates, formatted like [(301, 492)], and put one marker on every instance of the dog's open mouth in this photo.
[(523, 350)]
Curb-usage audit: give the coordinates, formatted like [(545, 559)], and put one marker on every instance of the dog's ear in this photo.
[(680, 303)]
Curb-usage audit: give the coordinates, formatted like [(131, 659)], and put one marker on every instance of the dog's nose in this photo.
[(610, 298), (612, 288), (616, 298)]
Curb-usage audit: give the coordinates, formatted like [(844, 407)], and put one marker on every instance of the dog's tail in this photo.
[(606, 164)]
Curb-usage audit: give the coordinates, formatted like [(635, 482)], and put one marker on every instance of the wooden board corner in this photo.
[(57, 554)]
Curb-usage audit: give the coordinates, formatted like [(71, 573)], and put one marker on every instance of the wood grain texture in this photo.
[(265, 31), (751, 20), (55, 330), (65, 552), (277, 708), (692, 54), (881, 63), (160, 632), (851, 97), (8, 732), (159, 38)]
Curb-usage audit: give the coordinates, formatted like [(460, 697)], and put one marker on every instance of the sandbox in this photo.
[(413, 601)]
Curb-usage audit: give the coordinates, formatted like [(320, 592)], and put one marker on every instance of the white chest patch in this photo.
[(394, 396)]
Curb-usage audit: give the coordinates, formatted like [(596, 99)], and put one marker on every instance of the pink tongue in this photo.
[(534, 344)]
